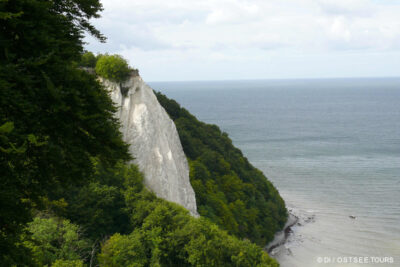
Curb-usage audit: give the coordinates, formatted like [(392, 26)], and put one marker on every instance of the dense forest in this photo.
[(69, 196), (229, 190)]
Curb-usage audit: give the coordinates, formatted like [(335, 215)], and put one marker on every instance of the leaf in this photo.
[(7, 127), (34, 140)]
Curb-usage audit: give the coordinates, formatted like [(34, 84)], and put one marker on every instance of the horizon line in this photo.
[(281, 79)]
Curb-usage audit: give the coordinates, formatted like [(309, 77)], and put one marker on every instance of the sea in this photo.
[(332, 149)]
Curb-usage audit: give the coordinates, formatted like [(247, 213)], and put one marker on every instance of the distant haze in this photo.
[(253, 39)]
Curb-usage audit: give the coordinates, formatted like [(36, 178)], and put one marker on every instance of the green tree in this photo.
[(88, 60), (124, 250), (53, 239), (99, 207), (169, 236), (112, 67), (50, 101), (164, 234)]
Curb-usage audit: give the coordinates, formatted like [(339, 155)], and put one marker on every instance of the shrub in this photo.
[(112, 67)]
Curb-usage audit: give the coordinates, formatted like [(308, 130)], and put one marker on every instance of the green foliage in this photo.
[(154, 232), (99, 206), (166, 235), (88, 59), (122, 250), (229, 190), (68, 263), (112, 67), (61, 115), (14, 209), (52, 239)]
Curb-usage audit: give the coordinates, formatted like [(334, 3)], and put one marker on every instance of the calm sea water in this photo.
[(331, 147)]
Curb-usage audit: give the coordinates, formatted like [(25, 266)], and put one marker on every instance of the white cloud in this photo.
[(210, 34), (340, 29), (232, 11), (351, 8)]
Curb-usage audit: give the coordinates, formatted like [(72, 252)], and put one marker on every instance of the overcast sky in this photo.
[(253, 39)]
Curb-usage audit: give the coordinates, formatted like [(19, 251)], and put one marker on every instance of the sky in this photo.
[(184, 40)]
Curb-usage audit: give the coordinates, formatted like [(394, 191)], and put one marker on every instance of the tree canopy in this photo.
[(53, 239), (136, 227), (60, 115), (88, 60), (112, 67), (164, 234)]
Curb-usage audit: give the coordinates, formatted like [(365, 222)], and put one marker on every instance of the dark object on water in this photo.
[(352, 217), (310, 219)]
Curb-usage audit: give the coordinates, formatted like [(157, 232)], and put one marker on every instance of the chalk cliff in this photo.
[(154, 141)]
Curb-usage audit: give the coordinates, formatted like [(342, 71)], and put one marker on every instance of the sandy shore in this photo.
[(281, 237)]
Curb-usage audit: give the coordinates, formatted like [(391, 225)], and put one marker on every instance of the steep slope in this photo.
[(154, 141), (229, 190)]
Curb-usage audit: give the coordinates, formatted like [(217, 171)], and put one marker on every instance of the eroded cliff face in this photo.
[(154, 141)]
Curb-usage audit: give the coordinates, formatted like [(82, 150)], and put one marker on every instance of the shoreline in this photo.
[(281, 237)]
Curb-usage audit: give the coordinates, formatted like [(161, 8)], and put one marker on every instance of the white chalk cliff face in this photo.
[(154, 141)]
